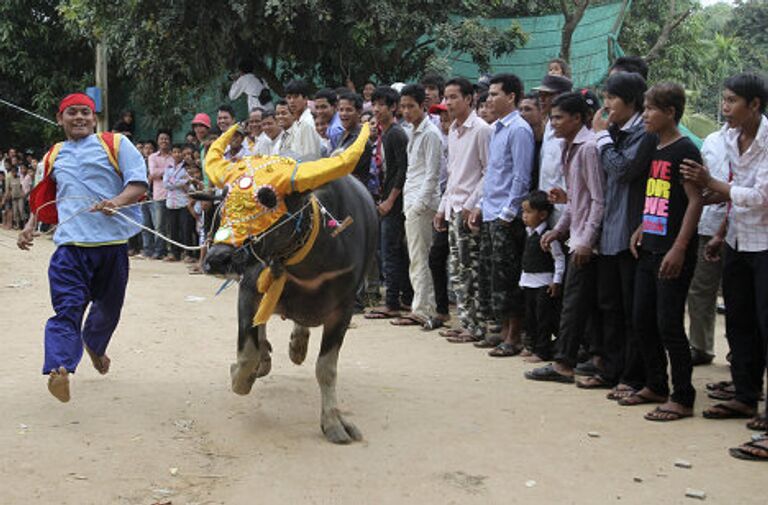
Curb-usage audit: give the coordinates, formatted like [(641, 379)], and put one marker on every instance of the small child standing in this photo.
[(541, 280), (666, 247), (90, 264), (176, 182)]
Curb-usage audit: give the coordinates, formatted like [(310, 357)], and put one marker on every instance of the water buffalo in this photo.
[(285, 234)]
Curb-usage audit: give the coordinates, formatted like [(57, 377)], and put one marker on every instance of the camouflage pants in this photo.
[(465, 269), (504, 243)]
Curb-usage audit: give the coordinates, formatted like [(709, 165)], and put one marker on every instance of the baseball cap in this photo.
[(554, 84), (202, 119)]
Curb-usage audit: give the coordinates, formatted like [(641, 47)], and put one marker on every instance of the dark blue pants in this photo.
[(745, 289), (659, 320), (395, 255), (79, 276)]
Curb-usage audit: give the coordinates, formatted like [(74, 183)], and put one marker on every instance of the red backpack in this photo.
[(45, 191)]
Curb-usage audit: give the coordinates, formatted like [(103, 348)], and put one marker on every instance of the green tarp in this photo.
[(593, 46)]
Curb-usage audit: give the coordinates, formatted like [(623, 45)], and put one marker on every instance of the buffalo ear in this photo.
[(209, 196)]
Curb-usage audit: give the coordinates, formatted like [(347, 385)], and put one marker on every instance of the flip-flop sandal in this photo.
[(407, 321), (593, 382), (721, 394), (505, 350), (740, 453), (381, 313), (450, 332), (670, 415), (432, 323), (620, 391), (638, 399), (726, 412), (587, 369), (714, 386), (758, 424), (485, 344), (464, 338), (548, 374)]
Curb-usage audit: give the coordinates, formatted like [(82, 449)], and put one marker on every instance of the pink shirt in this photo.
[(585, 184), (467, 158), (158, 163)]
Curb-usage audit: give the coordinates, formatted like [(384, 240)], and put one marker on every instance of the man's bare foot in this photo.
[(100, 363), (58, 384), (669, 411), (533, 358)]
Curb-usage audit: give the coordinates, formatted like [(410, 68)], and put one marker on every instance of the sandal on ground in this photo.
[(195, 270), (722, 395), (381, 313), (593, 382), (661, 415), (621, 391), (407, 320), (639, 398), (587, 369), (485, 344), (725, 411), (450, 332), (462, 338), (759, 423), (505, 350), (549, 374), (432, 323), (760, 452), (714, 386)]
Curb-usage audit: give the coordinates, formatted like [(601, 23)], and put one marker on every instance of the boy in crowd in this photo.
[(507, 180), (665, 244), (580, 223), (176, 184), (325, 108), (421, 198), (90, 264), (158, 163), (541, 280), (625, 151), (743, 241), (305, 142), (391, 155), (468, 140), (270, 141)]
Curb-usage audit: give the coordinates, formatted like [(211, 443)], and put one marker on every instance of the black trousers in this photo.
[(180, 226), (623, 361), (438, 266), (745, 288), (579, 298), (394, 252), (659, 319), (542, 318)]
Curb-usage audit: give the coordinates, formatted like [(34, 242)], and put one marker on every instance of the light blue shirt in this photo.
[(84, 176), (335, 131), (508, 175)]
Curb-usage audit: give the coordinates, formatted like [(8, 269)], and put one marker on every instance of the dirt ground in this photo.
[(443, 423)]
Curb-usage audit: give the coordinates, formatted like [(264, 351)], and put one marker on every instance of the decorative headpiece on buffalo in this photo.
[(258, 185)]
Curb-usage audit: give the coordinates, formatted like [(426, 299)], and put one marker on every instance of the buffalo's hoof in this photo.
[(297, 351), (338, 430), (265, 365), (242, 381)]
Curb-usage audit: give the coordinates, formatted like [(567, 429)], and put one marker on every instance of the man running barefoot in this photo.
[(89, 176)]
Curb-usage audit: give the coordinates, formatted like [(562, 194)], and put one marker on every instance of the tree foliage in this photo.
[(172, 49)]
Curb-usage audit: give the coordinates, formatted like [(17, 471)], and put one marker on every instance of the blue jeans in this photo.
[(159, 218), (147, 239), (395, 260)]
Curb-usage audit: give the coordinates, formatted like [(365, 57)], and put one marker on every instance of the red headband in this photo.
[(77, 99)]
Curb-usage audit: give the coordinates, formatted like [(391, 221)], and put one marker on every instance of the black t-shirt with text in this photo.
[(665, 198)]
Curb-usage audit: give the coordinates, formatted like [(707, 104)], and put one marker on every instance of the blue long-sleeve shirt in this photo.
[(510, 162)]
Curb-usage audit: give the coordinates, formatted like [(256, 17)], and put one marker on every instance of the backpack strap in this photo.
[(111, 144), (50, 158)]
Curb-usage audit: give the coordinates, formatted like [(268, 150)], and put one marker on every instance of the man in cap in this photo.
[(90, 264), (551, 170)]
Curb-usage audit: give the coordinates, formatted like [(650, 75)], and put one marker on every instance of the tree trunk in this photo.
[(572, 20), (673, 21)]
